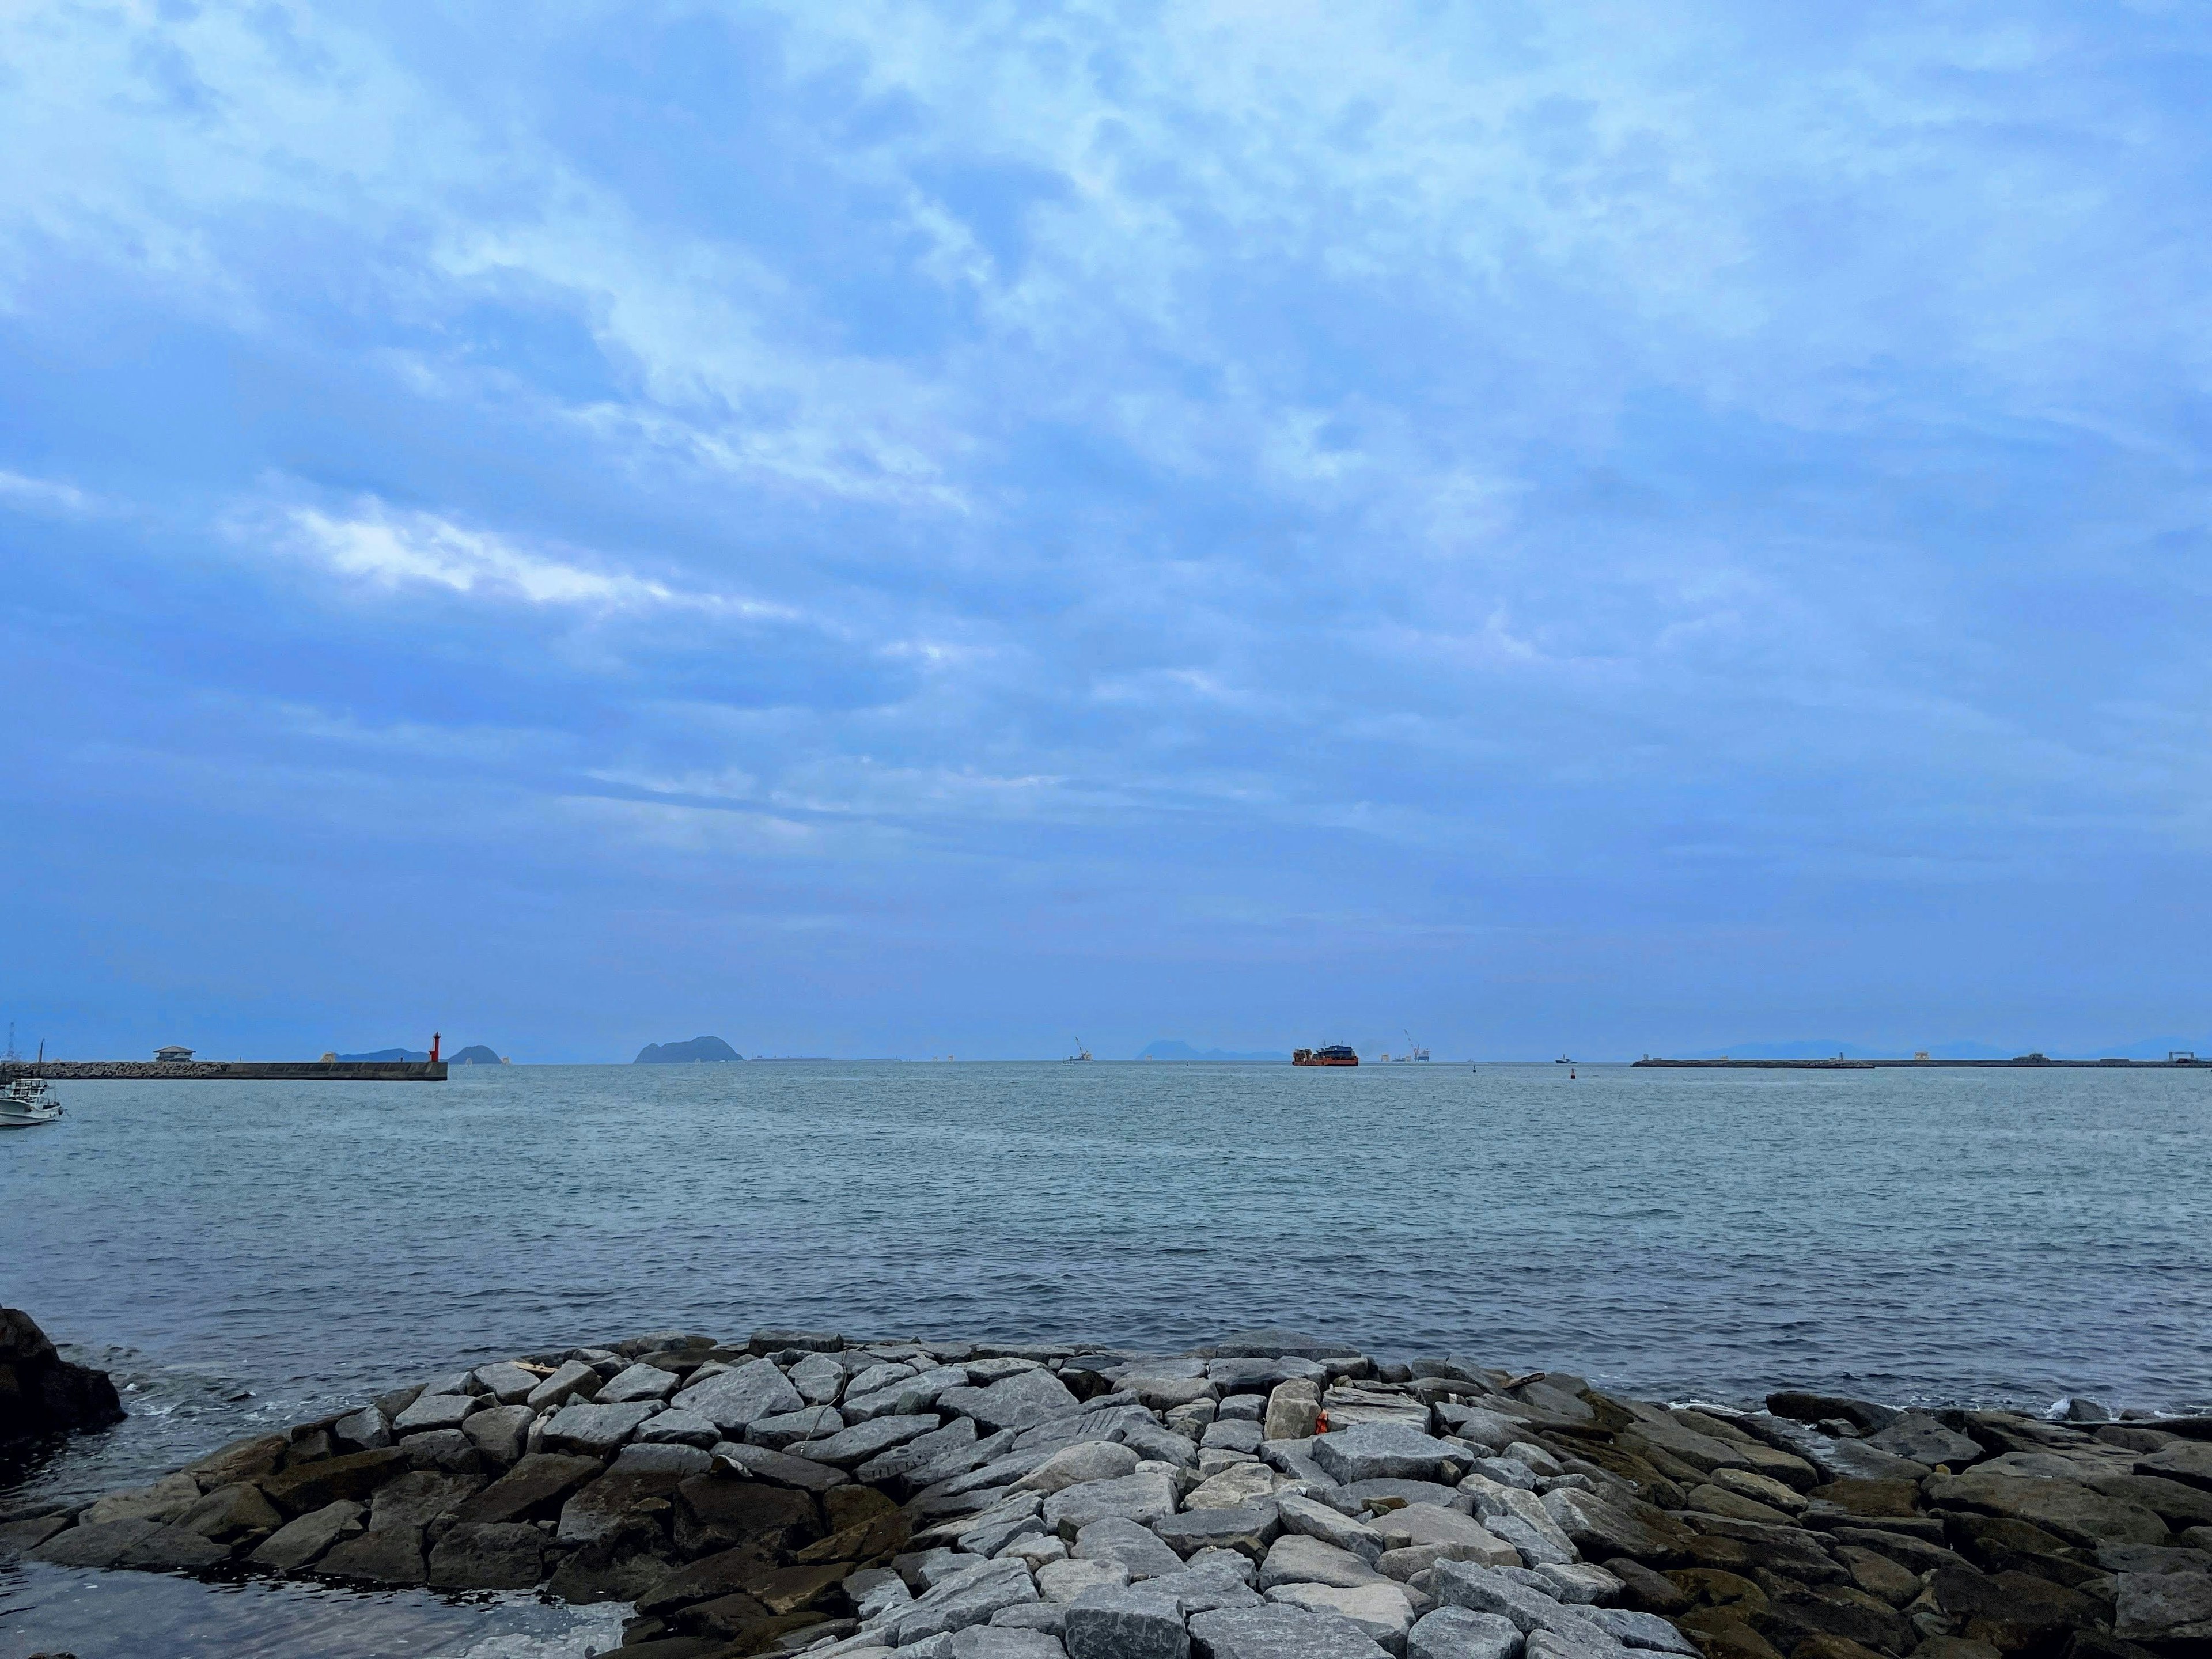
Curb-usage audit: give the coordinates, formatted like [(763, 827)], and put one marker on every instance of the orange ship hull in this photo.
[(1339, 1056)]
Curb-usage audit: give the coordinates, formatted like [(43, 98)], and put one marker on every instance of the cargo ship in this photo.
[(1336, 1053)]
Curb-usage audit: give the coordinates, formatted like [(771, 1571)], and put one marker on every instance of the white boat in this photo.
[(27, 1101)]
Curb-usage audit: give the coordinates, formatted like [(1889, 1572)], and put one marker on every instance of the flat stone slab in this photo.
[(732, 1399), (1384, 1613), (1248, 1529), (1127, 1544), (1140, 1497), (1278, 1632), (865, 1440), (638, 1381), (1296, 1558), (1016, 1402), (1129, 1622), (1384, 1451), (594, 1429), (1461, 1634)]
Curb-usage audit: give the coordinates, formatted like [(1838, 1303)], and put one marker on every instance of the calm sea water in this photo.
[(242, 1253)]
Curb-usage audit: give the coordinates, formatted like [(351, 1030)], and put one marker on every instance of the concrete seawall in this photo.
[(195, 1070)]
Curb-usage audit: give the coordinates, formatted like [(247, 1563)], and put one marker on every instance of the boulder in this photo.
[(807, 1423), (778, 1468), (1236, 1484), (393, 1556), (41, 1393), (1294, 1408), (1862, 1415), (1394, 1451), (1312, 1519), (733, 1399), (1383, 1612), (499, 1433), (1601, 1530), (1128, 1544), (966, 1598), (2070, 1510), (1144, 1499), (436, 1411), (1430, 1523), (635, 1383), (991, 1642), (230, 1515), (593, 1430), (677, 1426), (648, 1458), (507, 1383), (492, 1556), (416, 1499), (164, 1500), (1128, 1622), (151, 1545), (298, 1542), (864, 1441), (1063, 1581), (1015, 1402), (449, 1451), (1641, 1629), (2164, 1606), (1086, 1461), (366, 1429), (1458, 1633), (1792, 1616), (1247, 1528), (1917, 1435), (2189, 1461), (572, 1380), (316, 1486), (534, 1489), (1485, 1589), (900, 1396), (603, 1507), (715, 1513), (1278, 1632)]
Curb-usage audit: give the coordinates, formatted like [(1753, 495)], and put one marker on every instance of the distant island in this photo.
[(677, 1053), (1167, 1049), (475, 1055)]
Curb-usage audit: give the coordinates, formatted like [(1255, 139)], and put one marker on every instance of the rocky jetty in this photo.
[(41, 1393), (1271, 1497)]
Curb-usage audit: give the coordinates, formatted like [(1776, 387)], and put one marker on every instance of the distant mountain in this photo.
[(475, 1055), (391, 1054), (676, 1054), (1167, 1049)]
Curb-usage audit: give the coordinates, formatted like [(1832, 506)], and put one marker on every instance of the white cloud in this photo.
[(44, 495)]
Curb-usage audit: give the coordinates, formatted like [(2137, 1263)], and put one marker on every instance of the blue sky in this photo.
[(877, 529)]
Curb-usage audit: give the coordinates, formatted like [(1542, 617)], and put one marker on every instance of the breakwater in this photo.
[(2033, 1062), (205, 1071), (1269, 1495)]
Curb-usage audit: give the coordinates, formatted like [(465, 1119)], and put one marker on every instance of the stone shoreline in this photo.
[(1270, 1497)]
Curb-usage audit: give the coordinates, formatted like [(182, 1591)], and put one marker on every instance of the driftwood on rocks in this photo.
[(1273, 1496)]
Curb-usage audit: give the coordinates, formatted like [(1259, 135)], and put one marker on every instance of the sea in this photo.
[(242, 1255)]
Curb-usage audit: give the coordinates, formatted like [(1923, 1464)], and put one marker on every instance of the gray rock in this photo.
[(819, 1378), (1579, 1584), (1201, 1590), (1257, 1375), (968, 1598), (1046, 1617), (506, 1382), (416, 1499), (883, 1373), (1016, 1402), (1359, 1493), (1296, 1558), (934, 1567), (1248, 1529), (1086, 1461), (568, 1381), (1128, 1544), (994, 1641), (1063, 1581), (1641, 1629), (779, 1469), (1292, 1410), (393, 1556), (1506, 1471), (2165, 1606), (446, 1451), (733, 1399), (1231, 1484), (230, 1515), (998, 1369), (1520, 1518), (660, 1458), (1312, 1519), (1232, 1436), (1278, 1632), (1482, 1426), (865, 1440), (500, 1432), (1295, 1459), (677, 1426), (1919, 1437), (1384, 1613), (1126, 1623), (1484, 1590), (1141, 1497), (1383, 1451), (455, 1383), (638, 1381), (366, 1429), (2189, 1461), (808, 1422), (1460, 1537), (1160, 1445), (493, 1556), (298, 1542), (992, 1531), (1458, 1633), (595, 1430), (436, 1411), (148, 1545), (945, 1446), (1570, 1644), (901, 1396)]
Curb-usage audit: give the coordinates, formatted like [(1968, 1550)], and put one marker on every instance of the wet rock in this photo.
[(229, 1514), (1834, 1610), (1641, 1629), (2072, 1511), (501, 1555), (638, 1458), (777, 1341), (149, 1545), (605, 1506), (1459, 1633), (1645, 1591), (41, 1393), (1866, 1416), (1919, 1437), (498, 1433), (2012, 1611), (416, 1499), (778, 1468), (534, 1489), (366, 1429), (2189, 1461), (2164, 1606), (164, 1500), (1125, 1543), (1277, 1632), (1879, 1576), (450, 1451), (315, 1486), (1127, 1623), (715, 1513), (298, 1542), (1601, 1530), (393, 1556)]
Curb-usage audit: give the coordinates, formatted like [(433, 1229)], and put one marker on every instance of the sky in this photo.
[(873, 529)]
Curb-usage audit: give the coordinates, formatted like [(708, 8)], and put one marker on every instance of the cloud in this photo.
[(44, 495)]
